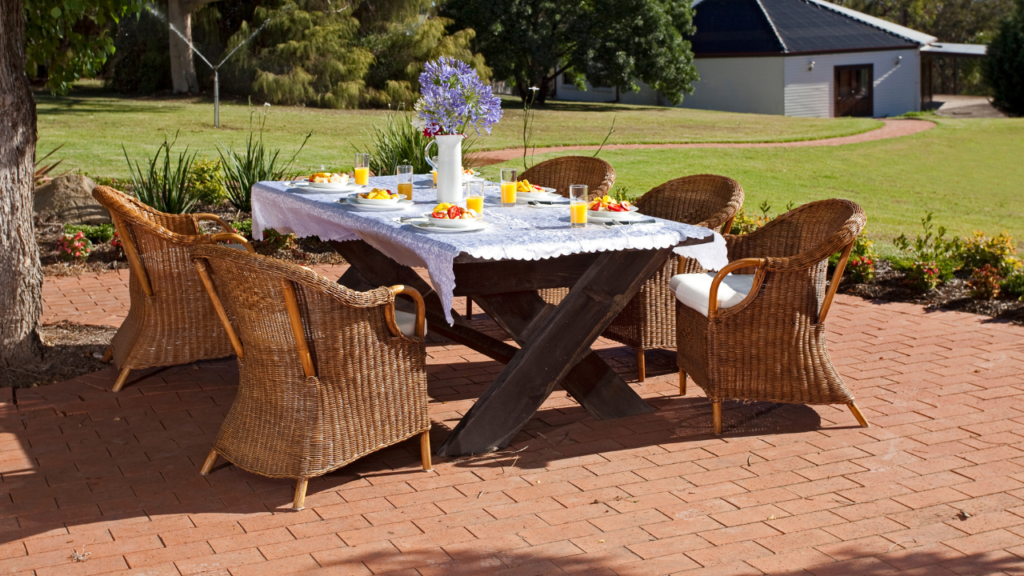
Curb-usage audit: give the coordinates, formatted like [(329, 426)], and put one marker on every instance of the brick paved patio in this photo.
[(935, 487)]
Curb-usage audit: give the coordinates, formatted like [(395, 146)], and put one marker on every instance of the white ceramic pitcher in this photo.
[(449, 167)]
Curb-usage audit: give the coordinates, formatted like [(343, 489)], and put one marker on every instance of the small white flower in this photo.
[(267, 104)]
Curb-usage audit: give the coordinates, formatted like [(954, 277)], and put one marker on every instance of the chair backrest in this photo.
[(266, 300), (704, 200), (560, 173), (815, 230)]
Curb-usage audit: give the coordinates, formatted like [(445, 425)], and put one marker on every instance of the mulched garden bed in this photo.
[(954, 294), (69, 350), (103, 257)]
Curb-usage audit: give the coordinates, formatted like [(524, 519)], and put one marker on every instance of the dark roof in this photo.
[(786, 27)]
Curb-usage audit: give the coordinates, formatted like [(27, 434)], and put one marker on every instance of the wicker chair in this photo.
[(771, 345), (171, 320), (326, 376), (649, 320)]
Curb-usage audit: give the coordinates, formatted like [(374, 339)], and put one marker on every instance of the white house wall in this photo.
[(567, 91), (752, 85), (897, 88)]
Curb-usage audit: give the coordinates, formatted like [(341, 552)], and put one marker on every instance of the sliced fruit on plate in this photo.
[(525, 186), (607, 204), (380, 194), (446, 211), (328, 178)]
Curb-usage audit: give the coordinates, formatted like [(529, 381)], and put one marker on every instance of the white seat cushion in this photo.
[(407, 323), (693, 290)]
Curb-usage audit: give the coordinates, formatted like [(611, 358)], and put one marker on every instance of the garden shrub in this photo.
[(932, 247), (1013, 283), (1003, 68), (243, 227), (862, 248), (99, 234), (862, 269), (74, 247), (116, 243), (980, 251), (277, 241), (923, 276), (985, 282), (745, 223), (205, 182)]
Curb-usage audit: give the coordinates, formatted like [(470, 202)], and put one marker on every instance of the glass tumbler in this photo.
[(362, 169), (508, 186), (404, 174), (475, 196), (577, 205)]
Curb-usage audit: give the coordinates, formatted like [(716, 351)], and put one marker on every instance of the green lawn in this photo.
[(969, 172), (93, 125)]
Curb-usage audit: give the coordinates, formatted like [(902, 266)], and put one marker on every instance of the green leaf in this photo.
[(55, 12)]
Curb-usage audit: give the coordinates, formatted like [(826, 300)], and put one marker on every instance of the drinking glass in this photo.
[(508, 186), (362, 169), (404, 173), (434, 165), (577, 205), (475, 196)]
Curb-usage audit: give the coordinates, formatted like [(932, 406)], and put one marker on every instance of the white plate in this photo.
[(402, 204), (459, 224), (349, 185), (524, 197), (389, 202), (430, 227), (545, 189), (605, 215)]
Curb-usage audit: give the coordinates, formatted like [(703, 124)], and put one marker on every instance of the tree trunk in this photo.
[(21, 277), (183, 66)]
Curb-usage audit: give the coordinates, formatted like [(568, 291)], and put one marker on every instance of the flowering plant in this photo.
[(74, 248), (116, 243), (453, 98), (923, 276), (985, 282), (862, 270)]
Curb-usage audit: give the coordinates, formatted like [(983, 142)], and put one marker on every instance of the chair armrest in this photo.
[(235, 239), (758, 263), (214, 218), (421, 319)]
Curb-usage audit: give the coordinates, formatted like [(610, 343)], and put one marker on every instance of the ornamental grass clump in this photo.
[(985, 282), (74, 247), (454, 99), (163, 184)]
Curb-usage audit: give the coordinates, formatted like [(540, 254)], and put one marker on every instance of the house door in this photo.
[(854, 90)]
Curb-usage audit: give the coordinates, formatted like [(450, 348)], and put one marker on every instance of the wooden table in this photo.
[(554, 340)]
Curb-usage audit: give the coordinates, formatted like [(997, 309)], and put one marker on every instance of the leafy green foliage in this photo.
[(243, 227), (99, 234), (241, 170), (74, 247), (1004, 67), (205, 181), (861, 270), (932, 247), (277, 241), (71, 38), (334, 55), (745, 223), (980, 251), (605, 42), (142, 62), (163, 184)]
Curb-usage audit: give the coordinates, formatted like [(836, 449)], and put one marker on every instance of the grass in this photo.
[(93, 125), (969, 172)]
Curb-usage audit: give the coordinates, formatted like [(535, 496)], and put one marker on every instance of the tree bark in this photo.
[(183, 64), (21, 277)]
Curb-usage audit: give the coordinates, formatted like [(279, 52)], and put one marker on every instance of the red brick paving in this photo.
[(787, 490)]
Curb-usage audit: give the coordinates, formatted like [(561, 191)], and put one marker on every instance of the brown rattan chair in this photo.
[(560, 173), (771, 345), (326, 375), (649, 320), (171, 320)]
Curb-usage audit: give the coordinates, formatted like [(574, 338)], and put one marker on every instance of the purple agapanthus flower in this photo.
[(454, 99)]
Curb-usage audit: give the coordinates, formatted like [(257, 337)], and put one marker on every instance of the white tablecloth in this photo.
[(519, 233)]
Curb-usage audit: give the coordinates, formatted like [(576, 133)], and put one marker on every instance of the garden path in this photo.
[(935, 486), (893, 128)]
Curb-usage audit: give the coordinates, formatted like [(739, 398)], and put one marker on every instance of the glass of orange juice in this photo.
[(362, 169), (475, 196), (577, 205), (508, 186), (404, 174), (434, 163)]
